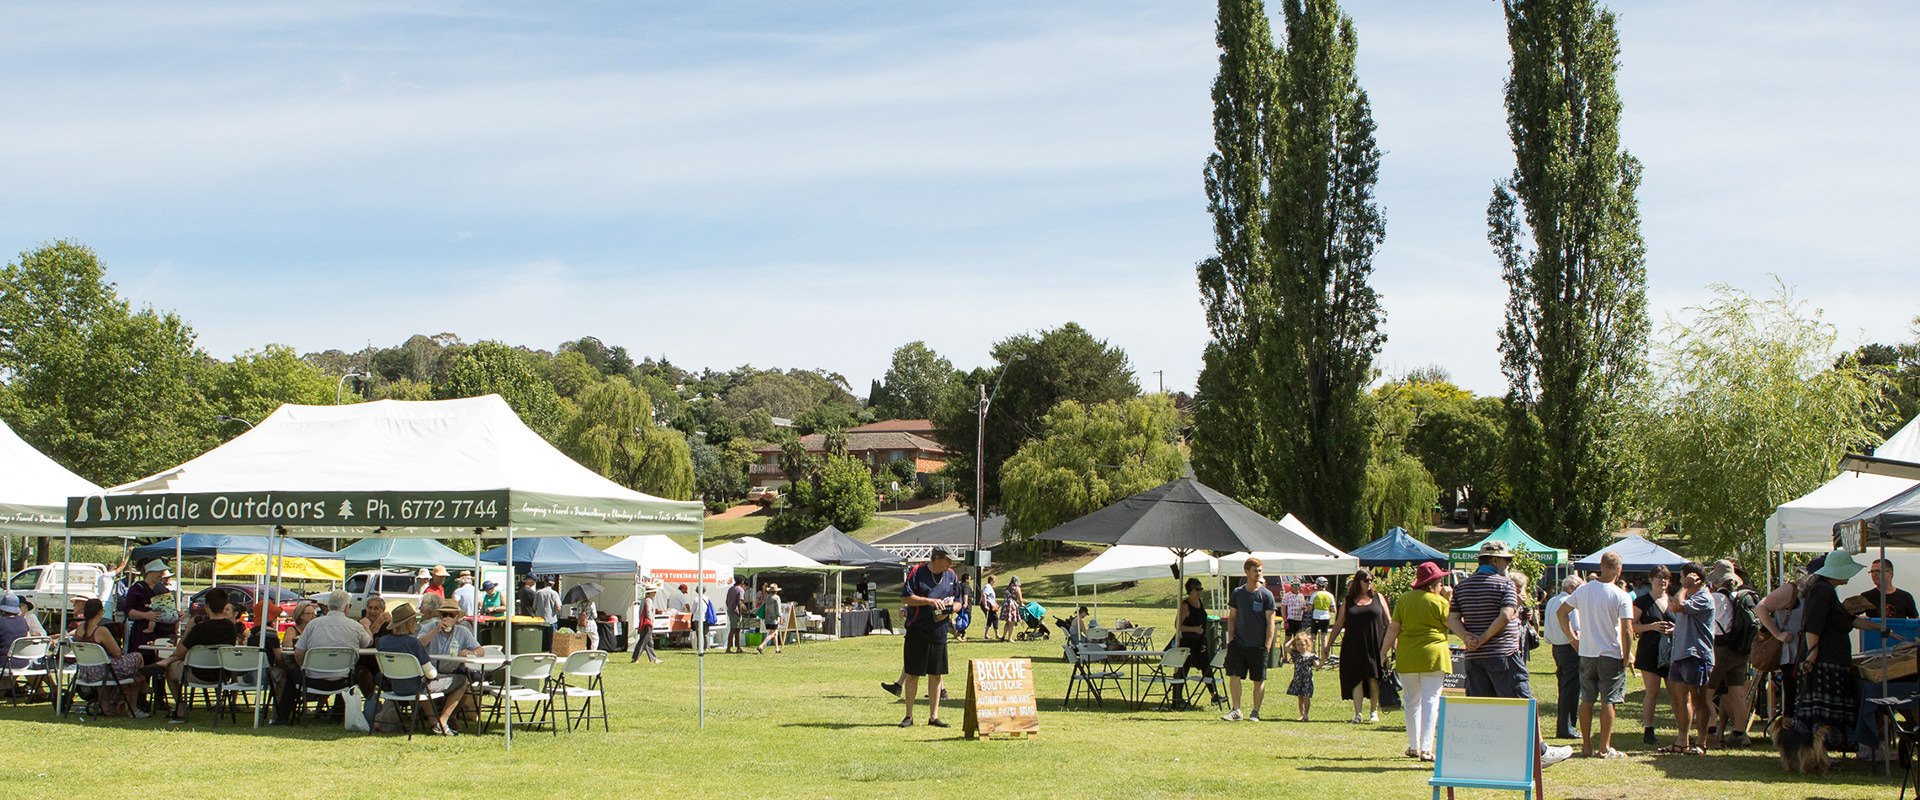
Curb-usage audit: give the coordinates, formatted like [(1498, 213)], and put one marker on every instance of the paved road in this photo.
[(950, 528)]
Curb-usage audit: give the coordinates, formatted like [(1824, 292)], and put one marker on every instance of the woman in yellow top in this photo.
[(1418, 636)]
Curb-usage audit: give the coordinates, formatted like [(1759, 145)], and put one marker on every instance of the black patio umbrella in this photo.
[(582, 592), (1184, 516)]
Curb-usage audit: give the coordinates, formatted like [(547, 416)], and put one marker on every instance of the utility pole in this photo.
[(977, 558), (1161, 374)]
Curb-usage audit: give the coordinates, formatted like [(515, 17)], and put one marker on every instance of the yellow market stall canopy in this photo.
[(256, 565)]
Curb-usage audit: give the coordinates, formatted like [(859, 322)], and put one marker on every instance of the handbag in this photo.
[(1390, 689), (1767, 649)]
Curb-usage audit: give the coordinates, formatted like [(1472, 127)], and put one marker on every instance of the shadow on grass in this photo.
[(1369, 770), (1764, 764), (841, 726)]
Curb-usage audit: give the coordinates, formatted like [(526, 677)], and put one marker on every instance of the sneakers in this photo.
[(937, 722), (1555, 754), (1253, 717), (1374, 717), (1232, 716), (891, 688), (906, 722)]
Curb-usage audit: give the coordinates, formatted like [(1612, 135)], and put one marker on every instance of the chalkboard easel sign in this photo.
[(1487, 743), (1000, 698)]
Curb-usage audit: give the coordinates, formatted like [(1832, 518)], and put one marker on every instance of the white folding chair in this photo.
[(580, 677), (205, 674), (31, 649), (1160, 683), (1216, 681), (326, 673), (396, 667), (1093, 672), (88, 654), (246, 674), (528, 682)]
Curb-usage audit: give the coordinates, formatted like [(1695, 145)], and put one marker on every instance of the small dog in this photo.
[(1801, 750)]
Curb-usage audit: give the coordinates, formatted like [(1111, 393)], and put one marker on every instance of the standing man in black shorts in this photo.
[(931, 594), (1250, 632)]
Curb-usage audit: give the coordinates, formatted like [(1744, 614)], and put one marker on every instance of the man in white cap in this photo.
[(1485, 615), (467, 597), (144, 624)]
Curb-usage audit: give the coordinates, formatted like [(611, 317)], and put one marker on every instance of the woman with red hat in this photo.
[(1418, 638)]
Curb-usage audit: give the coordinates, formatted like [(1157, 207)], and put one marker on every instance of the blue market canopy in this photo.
[(558, 555), (831, 546), (208, 545), (402, 554), (1397, 549), (1516, 539), (1636, 555)]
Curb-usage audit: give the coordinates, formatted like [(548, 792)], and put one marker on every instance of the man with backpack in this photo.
[(1733, 630)]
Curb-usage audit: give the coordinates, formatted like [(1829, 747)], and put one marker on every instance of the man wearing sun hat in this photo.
[(1485, 614)]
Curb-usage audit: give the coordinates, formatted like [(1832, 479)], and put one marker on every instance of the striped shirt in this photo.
[(1479, 600)]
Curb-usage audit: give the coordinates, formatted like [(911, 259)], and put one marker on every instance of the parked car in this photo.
[(41, 584), (764, 495), (241, 595), (394, 585), (1460, 514)]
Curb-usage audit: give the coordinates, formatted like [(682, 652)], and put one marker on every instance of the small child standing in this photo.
[(1300, 652)]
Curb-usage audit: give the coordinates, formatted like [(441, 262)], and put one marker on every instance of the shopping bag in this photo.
[(357, 711)]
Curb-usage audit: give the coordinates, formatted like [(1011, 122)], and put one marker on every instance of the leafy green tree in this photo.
[(776, 393), (1746, 414), (846, 497), (1294, 319), (1042, 371), (602, 358), (1900, 364), (614, 434), (1399, 493), (420, 358), (1459, 443), (494, 368), (257, 382), (570, 373), (917, 381), (824, 418), (720, 472), (402, 389), (1566, 228), (1090, 457), (111, 393)]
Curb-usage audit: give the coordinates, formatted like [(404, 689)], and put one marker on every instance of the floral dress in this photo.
[(1302, 684)]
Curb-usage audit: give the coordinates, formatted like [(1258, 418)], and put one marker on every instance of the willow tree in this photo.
[(1295, 322), (1748, 410), (1566, 228)]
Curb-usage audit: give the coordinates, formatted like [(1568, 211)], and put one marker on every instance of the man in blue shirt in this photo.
[(1250, 632), (931, 594)]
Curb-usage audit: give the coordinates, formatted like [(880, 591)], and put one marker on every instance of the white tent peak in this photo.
[(748, 554), (29, 477), (1805, 523)]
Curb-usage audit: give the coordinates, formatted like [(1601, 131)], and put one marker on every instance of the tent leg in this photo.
[(265, 620), (513, 608), (66, 606), (700, 647)]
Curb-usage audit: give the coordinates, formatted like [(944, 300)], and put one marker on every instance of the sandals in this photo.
[(1689, 750)]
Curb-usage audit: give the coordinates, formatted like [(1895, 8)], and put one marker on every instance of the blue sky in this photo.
[(813, 184)]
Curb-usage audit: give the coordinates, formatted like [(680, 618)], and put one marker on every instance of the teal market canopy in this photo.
[(440, 468), (555, 555), (1516, 538), (402, 554)]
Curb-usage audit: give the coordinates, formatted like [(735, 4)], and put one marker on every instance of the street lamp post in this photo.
[(341, 385), (980, 467)]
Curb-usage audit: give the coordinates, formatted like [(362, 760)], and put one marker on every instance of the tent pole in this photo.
[(1886, 640), (700, 648), (265, 619), (479, 577), (513, 609), (66, 606)]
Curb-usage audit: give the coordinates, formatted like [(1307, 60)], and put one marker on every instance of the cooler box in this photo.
[(1870, 640)]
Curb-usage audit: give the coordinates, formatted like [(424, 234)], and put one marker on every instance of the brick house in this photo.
[(878, 449)]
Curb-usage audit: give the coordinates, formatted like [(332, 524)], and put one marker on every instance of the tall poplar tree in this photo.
[(1295, 322), (1566, 228)]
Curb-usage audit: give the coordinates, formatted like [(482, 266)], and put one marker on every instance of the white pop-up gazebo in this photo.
[(1126, 563), (444, 469), (1318, 558), (1805, 524)]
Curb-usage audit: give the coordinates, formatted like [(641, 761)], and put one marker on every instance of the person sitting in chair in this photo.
[(403, 636)]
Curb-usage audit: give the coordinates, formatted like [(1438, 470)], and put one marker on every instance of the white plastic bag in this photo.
[(357, 711)]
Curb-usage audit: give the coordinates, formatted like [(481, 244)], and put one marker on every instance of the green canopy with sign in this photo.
[(1516, 539)]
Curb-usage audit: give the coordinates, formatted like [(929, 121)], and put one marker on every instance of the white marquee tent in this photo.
[(1805, 524), (748, 555), (1325, 559), (1124, 562)]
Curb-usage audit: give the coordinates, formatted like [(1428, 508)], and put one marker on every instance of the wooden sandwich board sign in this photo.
[(1487, 743), (1000, 698)]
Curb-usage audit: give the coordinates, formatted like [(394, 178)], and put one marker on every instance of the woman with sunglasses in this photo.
[(1363, 617)]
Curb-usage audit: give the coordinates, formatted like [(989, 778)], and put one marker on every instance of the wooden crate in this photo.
[(566, 644), (1898, 664)]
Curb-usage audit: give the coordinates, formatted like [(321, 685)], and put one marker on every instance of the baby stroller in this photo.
[(1034, 617)]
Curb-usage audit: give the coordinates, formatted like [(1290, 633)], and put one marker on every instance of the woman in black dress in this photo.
[(1363, 617), (1653, 623), (1191, 621), (1829, 690)]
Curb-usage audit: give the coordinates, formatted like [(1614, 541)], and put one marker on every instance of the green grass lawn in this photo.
[(813, 723)]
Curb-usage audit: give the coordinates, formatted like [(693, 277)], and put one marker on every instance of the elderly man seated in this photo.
[(403, 636), (447, 636), (332, 629)]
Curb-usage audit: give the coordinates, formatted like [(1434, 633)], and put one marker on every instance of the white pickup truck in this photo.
[(41, 584), (393, 585)]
